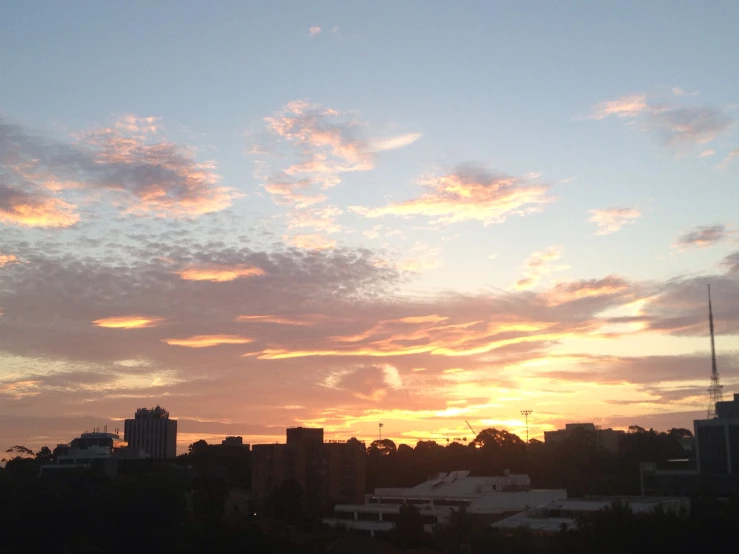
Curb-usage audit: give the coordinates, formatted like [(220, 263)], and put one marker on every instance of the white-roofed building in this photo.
[(486, 496), (549, 518)]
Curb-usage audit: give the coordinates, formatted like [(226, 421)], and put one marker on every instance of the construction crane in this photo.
[(471, 429)]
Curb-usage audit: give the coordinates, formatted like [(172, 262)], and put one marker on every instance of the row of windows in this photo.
[(375, 516), (419, 501)]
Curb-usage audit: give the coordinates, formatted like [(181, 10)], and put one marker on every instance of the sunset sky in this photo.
[(335, 214)]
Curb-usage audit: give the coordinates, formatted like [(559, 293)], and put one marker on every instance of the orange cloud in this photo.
[(313, 31), (128, 322), (469, 193), (205, 341), (612, 219), (219, 274), (27, 209)]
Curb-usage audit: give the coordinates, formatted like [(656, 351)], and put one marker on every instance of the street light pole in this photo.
[(526, 414)]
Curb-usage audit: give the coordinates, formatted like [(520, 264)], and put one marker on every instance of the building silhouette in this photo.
[(325, 472), (605, 439), (153, 432), (98, 450)]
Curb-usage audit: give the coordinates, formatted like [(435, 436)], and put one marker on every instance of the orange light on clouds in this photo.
[(205, 341), (128, 322), (6, 259), (219, 274)]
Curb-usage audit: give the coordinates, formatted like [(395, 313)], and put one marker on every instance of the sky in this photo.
[(339, 214)]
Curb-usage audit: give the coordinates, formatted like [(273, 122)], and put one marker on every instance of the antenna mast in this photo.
[(714, 391)]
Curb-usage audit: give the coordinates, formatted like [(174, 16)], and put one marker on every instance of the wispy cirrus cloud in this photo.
[(610, 220), (129, 164), (393, 143), (538, 265), (703, 236), (731, 156), (468, 193)]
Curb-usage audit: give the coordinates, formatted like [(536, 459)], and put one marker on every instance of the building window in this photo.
[(368, 516)]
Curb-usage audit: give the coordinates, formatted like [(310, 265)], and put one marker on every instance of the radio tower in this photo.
[(714, 391)]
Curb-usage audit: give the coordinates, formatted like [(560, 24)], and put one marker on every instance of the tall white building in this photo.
[(492, 496)]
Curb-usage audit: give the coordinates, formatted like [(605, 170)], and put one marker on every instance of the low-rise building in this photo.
[(493, 497), (549, 519), (100, 450)]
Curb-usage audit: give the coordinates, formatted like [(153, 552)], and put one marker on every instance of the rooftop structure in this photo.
[(494, 497), (96, 449), (549, 518)]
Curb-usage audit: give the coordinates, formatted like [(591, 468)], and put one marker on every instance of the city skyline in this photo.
[(338, 216)]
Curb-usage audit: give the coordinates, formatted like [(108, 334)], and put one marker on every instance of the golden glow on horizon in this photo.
[(128, 322)]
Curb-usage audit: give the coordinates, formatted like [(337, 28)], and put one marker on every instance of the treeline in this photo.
[(578, 463)]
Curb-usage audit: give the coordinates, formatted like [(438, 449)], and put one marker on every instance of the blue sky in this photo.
[(626, 108)]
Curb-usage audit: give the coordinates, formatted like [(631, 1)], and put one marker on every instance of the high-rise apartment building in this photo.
[(152, 431)]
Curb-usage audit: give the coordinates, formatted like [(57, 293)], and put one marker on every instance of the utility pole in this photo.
[(380, 426), (526, 414)]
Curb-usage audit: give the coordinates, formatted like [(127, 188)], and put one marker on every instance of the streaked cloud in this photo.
[(128, 322), (538, 265), (707, 153), (219, 274), (733, 155), (677, 91), (626, 106), (205, 341), (571, 291), (393, 143), (703, 236), (468, 193), (610, 220)]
